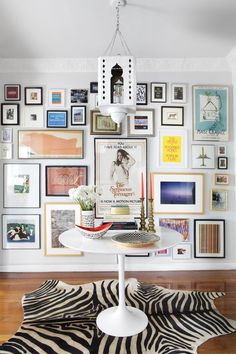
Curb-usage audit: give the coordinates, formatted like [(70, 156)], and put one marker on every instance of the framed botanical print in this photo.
[(12, 92), (159, 92), (33, 95), (172, 116), (141, 123), (173, 148), (203, 156), (78, 115), (220, 178), (79, 96), (57, 119), (178, 93), (57, 98), (141, 94), (218, 200), (33, 117), (10, 113), (103, 125)]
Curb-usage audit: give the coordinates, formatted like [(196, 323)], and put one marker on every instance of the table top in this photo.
[(73, 239)]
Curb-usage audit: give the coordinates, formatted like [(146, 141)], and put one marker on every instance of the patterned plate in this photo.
[(136, 239)]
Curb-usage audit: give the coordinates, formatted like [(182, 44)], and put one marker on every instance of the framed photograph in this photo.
[(173, 148), (93, 87), (103, 125), (6, 135), (209, 238), (6, 151), (21, 231), (55, 144), (33, 95), (182, 251), (221, 179), (79, 96), (78, 115), (33, 117), (218, 200), (178, 193), (222, 163), (172, 116), (12, 92), (221, 150), (178, 93), (211, 113), (57, 119), (203, 156), (21, 185), (142, 123), (141, 94), (119, 165), (58, 218), (59, 179), (10, 113), (159, 92), (57, 98), (179, 225)]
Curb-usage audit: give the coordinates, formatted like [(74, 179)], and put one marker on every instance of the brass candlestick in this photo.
[(151, 223), (142, 216)]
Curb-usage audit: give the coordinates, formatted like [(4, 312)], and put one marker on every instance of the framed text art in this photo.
[(173, 148), (57, 119), (78, 115), (211, 113), (172, 116), (57, 98), (119, 164), (141, 123), (158, 92), (103, 125), (10, 114), (178, 193), (33, 95), (42, 144), (33, 117), (203, 156), (141, 94), (12, 92)]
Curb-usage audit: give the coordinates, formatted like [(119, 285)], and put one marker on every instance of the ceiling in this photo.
[(83, 29)]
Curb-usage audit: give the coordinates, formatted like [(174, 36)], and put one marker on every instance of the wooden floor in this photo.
[(14, 285)]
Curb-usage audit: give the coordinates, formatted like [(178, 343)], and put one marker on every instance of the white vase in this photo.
[(88, 218)]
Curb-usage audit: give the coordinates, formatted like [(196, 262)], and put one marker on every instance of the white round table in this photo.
[(121, 320)]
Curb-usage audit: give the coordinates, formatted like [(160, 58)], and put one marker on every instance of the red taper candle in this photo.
[(150, 187)]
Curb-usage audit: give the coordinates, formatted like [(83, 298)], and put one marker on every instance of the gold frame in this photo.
[(94, 130), (226, 199), (221, 174)]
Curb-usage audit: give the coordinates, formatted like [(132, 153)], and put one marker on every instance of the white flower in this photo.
[(86, 196)]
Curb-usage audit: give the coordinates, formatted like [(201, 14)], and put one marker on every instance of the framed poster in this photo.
[(58, 218), (203, 156), (57, 119), (78, 96), (182, 251), (141, 94), (55, 144), (218, 199), (21, 185), (12, 92), (158, 92), (10, 113), (33, 117), (103, 125), (179, 225), (6, 135), (178, 193), (21, 231), (142, 123), (57, 97), (173, 148), (211, 113), (6, 151), (59, 179), (172, 116), (78, 115), (178, 93), (209, 238), (119, 164), (33, 95)]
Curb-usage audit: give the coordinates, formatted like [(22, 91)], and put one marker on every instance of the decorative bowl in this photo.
[(94, 232)]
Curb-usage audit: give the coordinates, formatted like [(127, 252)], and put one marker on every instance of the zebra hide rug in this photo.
[(61, 318)]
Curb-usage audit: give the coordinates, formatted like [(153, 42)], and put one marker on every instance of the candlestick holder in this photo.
[(142, 216), (151, 223)]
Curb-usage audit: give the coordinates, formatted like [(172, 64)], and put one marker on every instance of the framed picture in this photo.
[(203, 156), (6, 151), (162, 253), (93, 87), (6, 135), (158, 92), (58, 218), (141, 94), (178, 193), (178, 93), (57, 119), (173, 148), (221, 150), (119, 164), (79, 96), (209, 238), (33, 117), (21, 231), (33, 95), (222, 163), (78, 115), (218, 200), (211, 113), (59, 179), (10, 113), (141, 123), (21, 185), (57, 98), (221, 179), (12, 92), (55, 144), (103, 125), (179, 225), (172, 116), (182, 251)]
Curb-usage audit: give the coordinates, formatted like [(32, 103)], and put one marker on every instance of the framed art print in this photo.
[(222, 163), (10, 113), (158, 92), (209, 238), (203, 156), (57, 98), (78, 115), (93, 87), (182, 251), (141, 94), (178, 93), (6, 135), (221, 150), (103, 125), (21, 185), (59, 179), (220, 178), (33, 117), (6, 151), (173, 148), (141, 123), (21, 231), (33, 95), (78, 96), (218, 200), (172, 116), (179, 225), (57, 119), (211, 113), (12, 92)]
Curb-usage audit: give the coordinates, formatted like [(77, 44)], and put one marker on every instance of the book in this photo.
[(124, 225)]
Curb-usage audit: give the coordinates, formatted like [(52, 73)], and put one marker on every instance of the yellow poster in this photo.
[(172, 149)]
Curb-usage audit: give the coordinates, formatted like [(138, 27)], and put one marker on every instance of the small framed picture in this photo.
[(78, 115), (79, 96), (33, 117), (222, 163), (203, 156), (33, 95), (218, 199), (6, 135), (10, 114), (162, 253), (209, 238), (221, 179), (6, 151), (182, 251), (93, 87), (12, 92), (57, 119), (141, 94), (178, 93), (172, 116), (103, 125), (141, 123), (158, 92), (221, 150), (57, 97)]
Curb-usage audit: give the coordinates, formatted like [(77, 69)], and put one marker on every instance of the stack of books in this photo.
[(120, 218)]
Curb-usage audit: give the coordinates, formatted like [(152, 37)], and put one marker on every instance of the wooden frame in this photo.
[(141, 123), (141, 94), (158, 92), (57, 119), (103, 125), (12, 92), (10, 113), (218, 199), (172, 116), (33, 96), (78, 115), (221, 179)]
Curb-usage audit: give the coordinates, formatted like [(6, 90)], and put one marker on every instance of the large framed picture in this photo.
[(59, 179), (178, 93), (141, 94), (211, 113), (172, 115), (203, 156), (21, 231), (55, 144), (10, 114), (58, 218), (57, 119), (33, 117), (79, 96), (12, 92), (33, 95), (158, 92), (103, 125), (57, 98), (209, 238), (78, 115), (173, 148), (21, 185), (142, 123), (178, 193), (119, 165), (218, 199)]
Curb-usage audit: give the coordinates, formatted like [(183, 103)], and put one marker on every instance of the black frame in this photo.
[(226, 162), (71, 115), (41, 97), (161, 100), (172, 125), (12, 99), (94, 87), (57, 126), (17, 106), (146, 94), (83, 92)]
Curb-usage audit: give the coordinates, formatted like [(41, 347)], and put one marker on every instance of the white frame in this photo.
[(27, 122), (6, 151), (222, 175), (62, 92), (184, 88), (203, 156), (9, 135), (186, 246), (150, 113)]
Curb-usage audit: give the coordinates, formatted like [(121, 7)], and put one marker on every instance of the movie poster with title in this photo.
[(119, 164)]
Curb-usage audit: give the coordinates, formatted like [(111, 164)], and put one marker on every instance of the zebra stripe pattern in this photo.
[(61, 318)]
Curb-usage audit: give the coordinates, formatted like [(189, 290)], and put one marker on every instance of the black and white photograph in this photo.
[(78, 115), (78, 96), (10, 114)]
